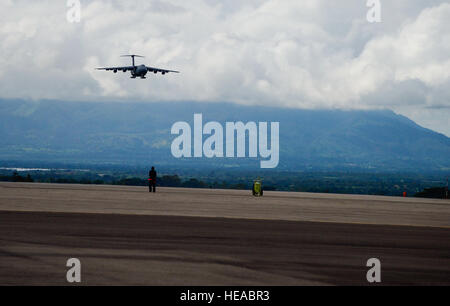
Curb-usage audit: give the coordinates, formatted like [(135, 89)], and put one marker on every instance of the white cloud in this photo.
[(308, 54)]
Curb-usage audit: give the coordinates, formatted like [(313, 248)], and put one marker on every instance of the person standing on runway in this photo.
[(152, 180)]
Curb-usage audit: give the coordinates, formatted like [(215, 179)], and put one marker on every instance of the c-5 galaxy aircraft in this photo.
[(137, 71)]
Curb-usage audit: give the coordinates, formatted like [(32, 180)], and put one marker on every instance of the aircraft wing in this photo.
[(125, 68), (153, 69)]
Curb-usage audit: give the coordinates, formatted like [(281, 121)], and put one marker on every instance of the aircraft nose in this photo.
[(142, 70)]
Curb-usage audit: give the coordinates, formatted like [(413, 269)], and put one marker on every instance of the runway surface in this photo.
[(126, 236)]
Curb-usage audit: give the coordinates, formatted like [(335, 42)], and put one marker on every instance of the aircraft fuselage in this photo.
[(139, 71)]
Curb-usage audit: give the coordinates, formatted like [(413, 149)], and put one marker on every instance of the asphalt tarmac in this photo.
[(126, 236)]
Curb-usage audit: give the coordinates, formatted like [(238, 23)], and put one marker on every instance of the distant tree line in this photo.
[(163, 181), (15, 177), (435, 192)]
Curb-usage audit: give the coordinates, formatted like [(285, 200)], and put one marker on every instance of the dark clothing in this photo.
[(151, 185), (152, 180)]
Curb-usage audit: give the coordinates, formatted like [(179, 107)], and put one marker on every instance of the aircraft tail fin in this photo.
[(132, 57)]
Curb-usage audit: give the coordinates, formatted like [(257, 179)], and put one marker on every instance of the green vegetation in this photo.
[(436, 192), (15, 177)]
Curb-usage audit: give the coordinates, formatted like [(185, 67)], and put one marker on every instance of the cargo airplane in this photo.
[(137, 71)]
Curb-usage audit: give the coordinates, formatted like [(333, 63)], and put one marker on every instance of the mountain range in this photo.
[(140, 133)]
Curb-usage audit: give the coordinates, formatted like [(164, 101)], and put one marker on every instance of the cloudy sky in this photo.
[(303, 54)]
